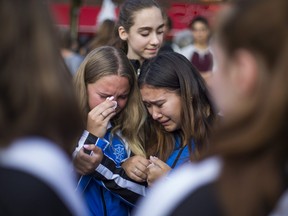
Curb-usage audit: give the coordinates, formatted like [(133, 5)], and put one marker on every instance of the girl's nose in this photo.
[(156, 114), (155, 39)]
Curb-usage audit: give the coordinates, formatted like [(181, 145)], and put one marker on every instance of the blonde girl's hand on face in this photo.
[(135, 168), (86, 163), (156, 169), (99, 117)]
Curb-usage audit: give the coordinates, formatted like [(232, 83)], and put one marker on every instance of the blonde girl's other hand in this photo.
[(135, 168)]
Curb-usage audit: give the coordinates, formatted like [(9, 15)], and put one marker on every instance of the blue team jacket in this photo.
[(109, 191), (100, 200)]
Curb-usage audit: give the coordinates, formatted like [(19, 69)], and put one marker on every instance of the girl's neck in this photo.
[(139, 60), (132, 57), (201, 46)]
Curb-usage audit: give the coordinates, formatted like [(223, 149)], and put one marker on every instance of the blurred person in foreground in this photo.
[(245, 172), (39, 116)]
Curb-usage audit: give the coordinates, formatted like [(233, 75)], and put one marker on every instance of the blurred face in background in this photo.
[(200, 32)]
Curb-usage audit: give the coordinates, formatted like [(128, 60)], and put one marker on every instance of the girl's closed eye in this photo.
[(147, 105), (144, 34), (160, 31), (103, 96), (123, 97), (160, 105)]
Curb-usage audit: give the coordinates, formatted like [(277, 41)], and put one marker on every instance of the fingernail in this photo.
[(86, 146)]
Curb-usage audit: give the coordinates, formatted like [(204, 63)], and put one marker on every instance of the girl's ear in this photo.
[(246, 71), (122, 33)]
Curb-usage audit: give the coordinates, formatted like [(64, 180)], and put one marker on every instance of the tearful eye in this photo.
[(147, 105), (145, 35), (123, 97)]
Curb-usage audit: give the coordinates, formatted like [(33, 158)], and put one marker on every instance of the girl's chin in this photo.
[(149, 55), (170, 128)]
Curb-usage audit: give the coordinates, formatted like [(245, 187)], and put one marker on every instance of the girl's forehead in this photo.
[(147, 16), (199, 24)]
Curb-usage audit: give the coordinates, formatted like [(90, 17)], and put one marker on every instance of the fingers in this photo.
[(156, 161), (99, 117), (156, 169), (135, 168), (140, 173), (96, 151), (104, 109), (86, 163), (96, 155), (154, 172)]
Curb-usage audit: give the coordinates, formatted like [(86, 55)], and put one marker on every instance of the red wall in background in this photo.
[(180, 13), (87, 17)]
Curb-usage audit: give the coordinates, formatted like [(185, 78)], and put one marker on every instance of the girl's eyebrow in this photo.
[(103, 94), (149, 28), (126, 92), (155, 101), (161, 26)]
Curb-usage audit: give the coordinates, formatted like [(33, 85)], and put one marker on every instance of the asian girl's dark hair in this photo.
[(172, 71)]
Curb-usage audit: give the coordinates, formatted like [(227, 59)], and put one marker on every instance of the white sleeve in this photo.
[(282, 206), (80, 143), (188, 51)]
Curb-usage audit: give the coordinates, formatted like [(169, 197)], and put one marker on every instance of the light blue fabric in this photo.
[(185, 154)]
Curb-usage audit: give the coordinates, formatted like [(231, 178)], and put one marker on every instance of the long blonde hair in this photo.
[(104, 61)]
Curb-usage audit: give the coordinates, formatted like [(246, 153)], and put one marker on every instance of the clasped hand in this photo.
[(141, 169)]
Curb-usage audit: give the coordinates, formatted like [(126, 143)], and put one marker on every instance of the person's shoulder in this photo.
[(25, 194), (178, 184), (78, 57), (187, 51), (281, 208), (76, 60), (189, 47), (45, 161)]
